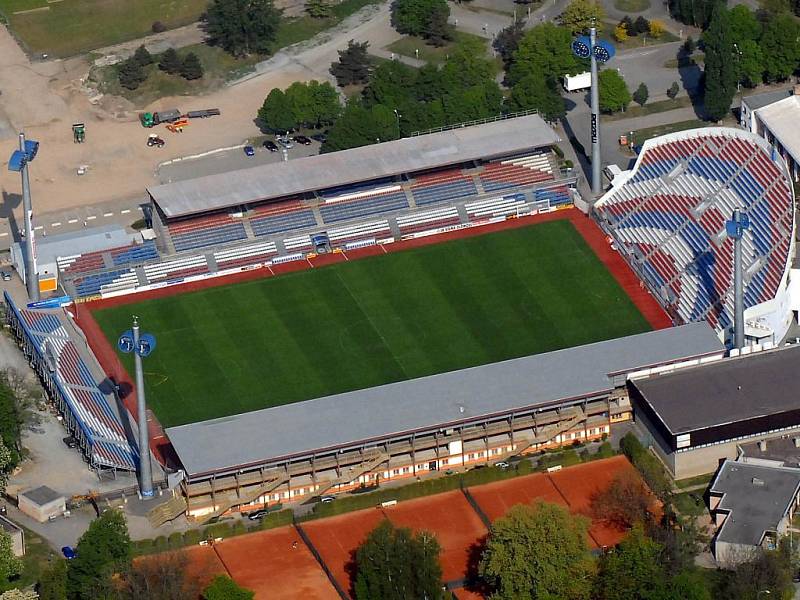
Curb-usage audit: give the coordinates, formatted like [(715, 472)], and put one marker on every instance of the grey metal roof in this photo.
[(42, 495), (301, 175), (782, 450), (85, 240), (757, 497), (727, 391), (429, 402), (757, 101)]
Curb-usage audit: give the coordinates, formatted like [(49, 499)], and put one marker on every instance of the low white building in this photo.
[(774, 116)]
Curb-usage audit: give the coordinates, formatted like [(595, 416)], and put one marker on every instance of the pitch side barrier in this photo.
[(524, 209)]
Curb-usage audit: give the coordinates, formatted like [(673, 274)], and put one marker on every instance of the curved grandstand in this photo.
[(667, 216)]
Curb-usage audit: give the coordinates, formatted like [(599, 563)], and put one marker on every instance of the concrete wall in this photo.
[(43, 512)]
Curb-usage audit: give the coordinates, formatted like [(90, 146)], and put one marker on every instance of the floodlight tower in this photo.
[(141, 345), (735, 229), (19, 162), (596, 52)]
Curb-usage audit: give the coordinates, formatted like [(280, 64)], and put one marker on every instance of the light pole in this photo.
[(19, 162), (735, 229), (141, 345), (397, 116)]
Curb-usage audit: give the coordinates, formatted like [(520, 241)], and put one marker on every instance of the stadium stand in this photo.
[(296, 243), (111, 281), (516, 172), (496, 207), (134, 254), (68, 379), (441, 186), (247, 255), (422, 221), (364, 206), (356, 233), (668, 216), (280, 216), (203, 232), (177, 269)]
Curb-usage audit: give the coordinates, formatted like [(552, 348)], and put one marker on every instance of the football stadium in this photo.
[(431, 303)]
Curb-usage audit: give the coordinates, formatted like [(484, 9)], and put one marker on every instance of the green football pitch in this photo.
[(367, 322)]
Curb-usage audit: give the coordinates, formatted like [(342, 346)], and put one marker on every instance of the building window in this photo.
[(445, 461), (396, 472), (405, 469), (471, 455)]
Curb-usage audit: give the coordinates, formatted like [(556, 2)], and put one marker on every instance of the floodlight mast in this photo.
[(146, 475), (31, 276), (595, 102), (735, 230)]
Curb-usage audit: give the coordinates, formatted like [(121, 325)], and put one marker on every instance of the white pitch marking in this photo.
[(56, 224), (125, 212), (4, 234), (38, 227), (108, 214), (72, 221), (92, 218)]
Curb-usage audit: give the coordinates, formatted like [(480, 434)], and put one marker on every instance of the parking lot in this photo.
[(224, 161)]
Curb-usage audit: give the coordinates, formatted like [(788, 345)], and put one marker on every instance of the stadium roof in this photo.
[(93, 239), (757, 497), (781, 119), (724, 392), (429, 402), (758, 101), (300, 175)]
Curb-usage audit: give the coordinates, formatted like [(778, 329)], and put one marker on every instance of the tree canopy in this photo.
[(353, 64), (720, 65), (535, 92), (103, 548), (780, 45), (579, 15), (422, 18), (394, 564), (545, 49), (538, 552), (225, 588), (242, 27), (614, 93)]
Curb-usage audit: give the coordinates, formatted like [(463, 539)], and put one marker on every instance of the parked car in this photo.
[(5, 275), (70, 442), (327, 499), (502, 465), (68, 552), (320, 137), (285, 142), (249, 151), (257, 514), (270, 145), (301, 139)]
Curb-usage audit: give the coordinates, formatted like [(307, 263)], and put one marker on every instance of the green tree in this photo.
[(10, 565), (579, 15), (780, 47), (474, 103), (744, 25), (689, 585), (545, 49), (392, 83), (720, 65), (538, 552), (242, 27), (535, 92), (750, 63), (352, 129), (170, 61), (276, 114), (466, 67), (53, 582), (693, 12), (614, 93), (191, 68), (633, 571), (648, 466), (353, 64), (104, 547), (326, 102), (625, 502), (673, 90), (413, 17), (131, 75), (298, 96), (142, 56), (437, 30), (641, 94), (225, 588), (394, 564), (319, 9), (507, 40), (11, 416)]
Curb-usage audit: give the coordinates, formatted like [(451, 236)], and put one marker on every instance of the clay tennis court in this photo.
[(202, 564), (276, 565), (573, 487), (337, 538), (458, 528)]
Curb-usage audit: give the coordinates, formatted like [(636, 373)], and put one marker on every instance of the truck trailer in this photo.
[(202, 114), (149, 119), (581, 81)]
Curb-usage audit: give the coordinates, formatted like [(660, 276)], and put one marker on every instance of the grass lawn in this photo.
[(431, 54), (74, 26), (39, 555), (693, 481), (367, 322), (632, 6), (642, 135), (690, 504), (659, 106)]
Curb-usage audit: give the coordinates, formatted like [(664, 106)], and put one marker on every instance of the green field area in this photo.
[(69, 27), (363, 323)]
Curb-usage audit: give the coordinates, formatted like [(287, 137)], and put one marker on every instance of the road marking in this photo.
[(56, 224), (72, 221), (4, 234), (108, 214), (38, 227), (125, 212), (92, 218)]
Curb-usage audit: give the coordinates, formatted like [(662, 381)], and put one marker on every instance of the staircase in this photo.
[(230, 498), (548, 432), (171, 509)]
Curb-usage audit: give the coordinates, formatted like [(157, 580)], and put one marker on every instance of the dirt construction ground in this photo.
[(45, 98)]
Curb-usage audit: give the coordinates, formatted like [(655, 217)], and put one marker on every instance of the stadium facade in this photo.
[(667, 217)]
